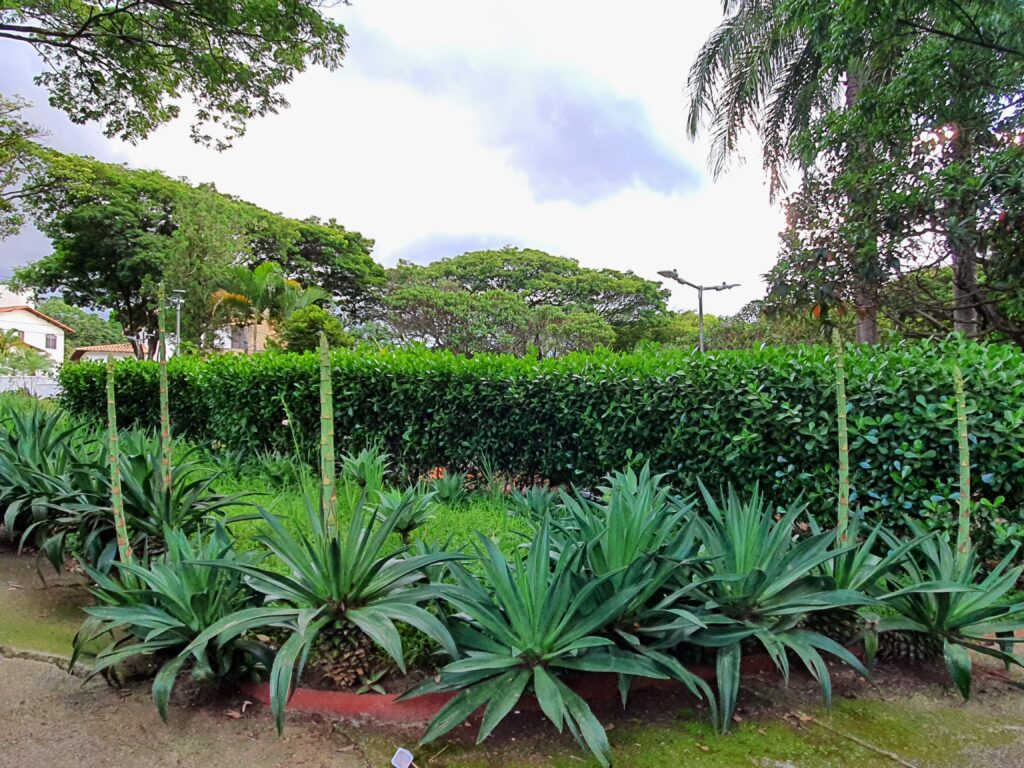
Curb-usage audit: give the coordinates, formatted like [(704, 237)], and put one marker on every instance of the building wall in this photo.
[(239, 339), (101, 357), (9, 298), (35, 330)]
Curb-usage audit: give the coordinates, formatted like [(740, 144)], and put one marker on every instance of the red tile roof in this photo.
[(112, 348)]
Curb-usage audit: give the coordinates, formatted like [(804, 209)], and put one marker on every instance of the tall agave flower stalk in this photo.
[(328, 487), (165, 411), (963, 534), (843, 515), (124, 547)]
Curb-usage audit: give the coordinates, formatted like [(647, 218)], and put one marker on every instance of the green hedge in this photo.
[(730, 417)]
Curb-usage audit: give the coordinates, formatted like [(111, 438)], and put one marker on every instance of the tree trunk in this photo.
[(966, 319), (867, 318), (867, 290)]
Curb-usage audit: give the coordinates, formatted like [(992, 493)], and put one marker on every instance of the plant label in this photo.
[(402, 758)]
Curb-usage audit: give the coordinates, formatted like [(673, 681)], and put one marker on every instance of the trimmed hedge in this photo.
[(730, 417)]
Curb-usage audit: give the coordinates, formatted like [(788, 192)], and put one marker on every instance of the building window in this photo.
[(51, 341)]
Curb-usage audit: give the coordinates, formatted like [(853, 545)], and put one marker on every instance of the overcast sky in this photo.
[(469, 124)]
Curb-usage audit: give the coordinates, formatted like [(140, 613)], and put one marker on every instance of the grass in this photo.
[(923, 728), (454, 526), (34, 616)]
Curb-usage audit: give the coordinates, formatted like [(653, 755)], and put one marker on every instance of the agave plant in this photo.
[(413, 505), (535, 503), (181, 499), (762, 582), (366, 468), (520, 627), (948, 597), (336, 579), (864, 565), (161, 608), (639, 534), (82, 517), (449, 489), (37, 451)]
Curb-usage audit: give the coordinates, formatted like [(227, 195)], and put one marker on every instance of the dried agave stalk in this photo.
[(328, 487), (124, 547), (843, 517), (963, 535), (165, 411)]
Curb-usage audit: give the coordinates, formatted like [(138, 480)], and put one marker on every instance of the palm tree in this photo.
[(263, 294), (763, 70), (11, 341)]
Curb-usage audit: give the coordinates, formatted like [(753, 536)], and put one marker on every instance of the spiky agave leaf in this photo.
[(952, 601)]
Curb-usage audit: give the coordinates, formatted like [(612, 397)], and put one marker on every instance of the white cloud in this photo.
[(415, 144)]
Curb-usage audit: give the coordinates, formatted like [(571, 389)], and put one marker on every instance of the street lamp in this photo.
[(177, 298), (671, 274)]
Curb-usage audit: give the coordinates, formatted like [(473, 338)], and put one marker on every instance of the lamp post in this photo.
[(177, 298), (671, 274)]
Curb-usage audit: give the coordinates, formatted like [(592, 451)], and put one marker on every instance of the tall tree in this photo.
[(623, 299), (117, 233), (498, 321), (19, 158), (322, 254), (127, 63), (940, 185), (765, 69)]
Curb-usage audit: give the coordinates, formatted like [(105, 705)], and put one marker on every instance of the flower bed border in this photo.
[(384, 707)]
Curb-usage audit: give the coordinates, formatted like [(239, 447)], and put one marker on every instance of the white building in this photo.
[(35, 329), (9, 298), (101, 352)]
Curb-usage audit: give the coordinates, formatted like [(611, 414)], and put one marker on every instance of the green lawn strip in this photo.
[(926, 730), (34, 617)]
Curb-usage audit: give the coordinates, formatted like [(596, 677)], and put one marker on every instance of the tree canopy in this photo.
[(129, 64), (623, 300), (915, 174), (117, 233), (19, 158)]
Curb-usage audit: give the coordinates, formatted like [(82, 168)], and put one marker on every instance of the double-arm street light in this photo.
[(671, 274)]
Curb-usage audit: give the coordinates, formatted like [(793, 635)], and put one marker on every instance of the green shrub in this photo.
[(301, 331), (766, 415)]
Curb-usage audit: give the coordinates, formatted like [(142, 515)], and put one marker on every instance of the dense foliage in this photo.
[(765, 415), (117, 233), (128, 65), (905, 117), (511, 299), (18, 157), (629, 578)]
